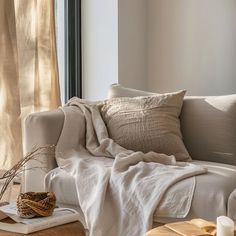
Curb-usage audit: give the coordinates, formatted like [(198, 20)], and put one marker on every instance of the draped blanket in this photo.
[(118, 189)]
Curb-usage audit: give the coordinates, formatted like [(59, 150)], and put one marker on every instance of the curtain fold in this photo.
[(10, 122), (28, 70)]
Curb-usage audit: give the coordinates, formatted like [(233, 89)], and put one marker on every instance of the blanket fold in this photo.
[(118, 189)]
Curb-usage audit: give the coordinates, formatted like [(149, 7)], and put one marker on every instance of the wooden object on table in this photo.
[(186, 228), (164, 231), (195, 227), (161, 230), (72, 229)]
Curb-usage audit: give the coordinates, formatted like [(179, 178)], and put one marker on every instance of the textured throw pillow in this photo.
[(149, 123)]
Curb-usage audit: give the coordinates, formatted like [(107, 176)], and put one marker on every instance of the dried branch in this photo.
[(18, 168)]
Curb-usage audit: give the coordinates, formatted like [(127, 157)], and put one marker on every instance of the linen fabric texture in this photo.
[(220, 178), (147, 123), (118, 190)]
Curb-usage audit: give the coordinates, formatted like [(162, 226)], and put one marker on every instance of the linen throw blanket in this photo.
[(118, 189)]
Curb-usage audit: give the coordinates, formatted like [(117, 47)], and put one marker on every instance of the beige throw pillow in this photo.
[(149, 123)]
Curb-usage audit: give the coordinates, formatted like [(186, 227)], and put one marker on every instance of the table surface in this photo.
[(72, 229)]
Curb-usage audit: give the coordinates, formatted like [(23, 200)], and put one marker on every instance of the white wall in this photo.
[(60, 32), (132, 41), (159, 45), (100, 47), (192, 45)]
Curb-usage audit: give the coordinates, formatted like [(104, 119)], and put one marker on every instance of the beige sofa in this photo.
[(208, 126)]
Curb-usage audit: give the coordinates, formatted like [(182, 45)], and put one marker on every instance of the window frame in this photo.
[(73, 62)]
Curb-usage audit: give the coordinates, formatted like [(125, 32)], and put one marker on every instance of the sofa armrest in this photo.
[(41, 128)]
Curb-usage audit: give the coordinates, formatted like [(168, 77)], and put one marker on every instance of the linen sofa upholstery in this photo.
[(41, 128), (217, 187)]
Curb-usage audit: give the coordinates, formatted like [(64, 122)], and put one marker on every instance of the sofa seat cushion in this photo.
[(212, 192)]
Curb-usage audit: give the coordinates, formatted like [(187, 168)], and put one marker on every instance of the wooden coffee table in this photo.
[(71, 229)]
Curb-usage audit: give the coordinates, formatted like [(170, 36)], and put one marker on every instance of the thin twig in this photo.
[(18, 168)]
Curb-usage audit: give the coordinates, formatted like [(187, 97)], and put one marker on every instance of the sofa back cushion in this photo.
[(147, 123), (208, 124)]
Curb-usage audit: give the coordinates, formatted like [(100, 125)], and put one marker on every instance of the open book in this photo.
[(10, 221), (195, 227)]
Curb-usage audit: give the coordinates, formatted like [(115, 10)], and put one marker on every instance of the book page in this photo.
[(11, 211), (186, 229)]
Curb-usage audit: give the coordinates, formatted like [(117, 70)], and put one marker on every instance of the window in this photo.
[(68, 27)]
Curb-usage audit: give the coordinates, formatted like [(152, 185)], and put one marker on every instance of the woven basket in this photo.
[(33, 204)]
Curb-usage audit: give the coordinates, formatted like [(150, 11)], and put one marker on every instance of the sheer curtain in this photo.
[(28, 70)]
